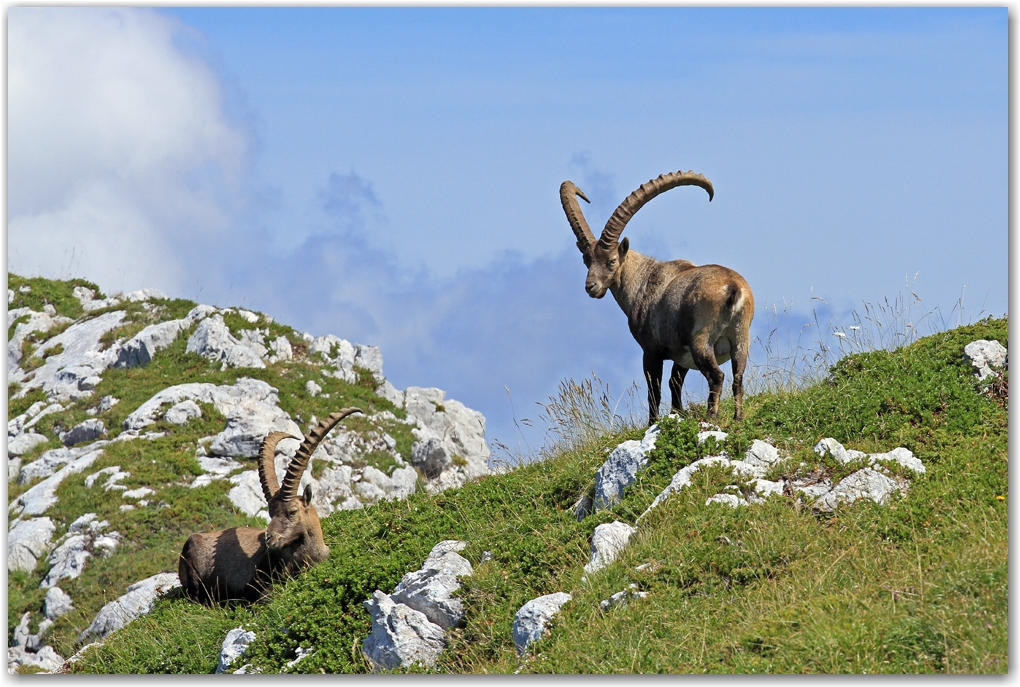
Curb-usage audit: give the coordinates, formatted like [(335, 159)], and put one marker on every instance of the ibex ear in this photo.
[(624, 246), (306, 498)]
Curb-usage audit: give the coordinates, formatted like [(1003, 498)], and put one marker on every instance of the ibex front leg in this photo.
[(653, 378)]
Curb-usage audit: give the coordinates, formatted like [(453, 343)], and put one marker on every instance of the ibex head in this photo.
[(604, 257), (294, 527)]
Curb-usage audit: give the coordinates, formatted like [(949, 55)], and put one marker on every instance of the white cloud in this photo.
[(119, 149)]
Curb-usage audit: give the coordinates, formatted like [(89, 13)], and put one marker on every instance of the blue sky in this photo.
[(390, 175)]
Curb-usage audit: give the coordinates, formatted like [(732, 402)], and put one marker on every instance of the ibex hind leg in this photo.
[(738, 364), (653, 378), (676, 385), (704, 358)]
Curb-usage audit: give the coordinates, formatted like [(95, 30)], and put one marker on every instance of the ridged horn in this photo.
[(288, 490), (643, 194), (568, 198), (267, 462)]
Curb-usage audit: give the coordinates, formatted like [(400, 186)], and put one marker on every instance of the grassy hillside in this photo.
[(153, 536), (918, 585)]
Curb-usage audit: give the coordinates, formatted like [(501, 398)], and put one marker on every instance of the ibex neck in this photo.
[(630, 283)]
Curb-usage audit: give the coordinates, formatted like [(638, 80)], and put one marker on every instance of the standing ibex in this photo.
[(697, 317), (239, 563)]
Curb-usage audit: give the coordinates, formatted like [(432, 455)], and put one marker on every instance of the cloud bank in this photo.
[(119, 151)]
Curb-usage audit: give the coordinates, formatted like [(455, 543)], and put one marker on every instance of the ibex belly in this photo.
[(722, 354)]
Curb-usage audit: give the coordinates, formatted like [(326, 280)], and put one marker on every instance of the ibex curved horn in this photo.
[(568, 198), (643, 194), (267, 462), (288, 490)]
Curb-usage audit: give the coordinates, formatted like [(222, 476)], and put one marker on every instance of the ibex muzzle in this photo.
[(240, 563), (698, 317)]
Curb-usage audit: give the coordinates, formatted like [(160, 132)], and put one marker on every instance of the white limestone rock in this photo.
[(866, 483), (837, 451), (27, 541), (39, 498), (607, 543), (39, 415), (762, 455), (621, 468), (37, 322), (530, 621), (621, 598), (984, 355), (247, 494), (46, 659), (398, 486), (181, 413), (23, 443), (48, 463), (401, 636), (200, 312), (226, 399), (140, 349), (74, 372), (683, 476), (408, 626), (369, 358), (235, 646), (719, 436), (460, 432), (731, 500), (430, 589), (136, 601), (57, 603), (87, 431), (282, 350), (312, 388), (430, 453), (68, 560), (391, 393), (900, 455), (212, 339), (145, 295), (113, 474), (334, 487)]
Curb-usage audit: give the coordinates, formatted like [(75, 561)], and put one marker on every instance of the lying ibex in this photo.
[(698, 317), (240, 563)]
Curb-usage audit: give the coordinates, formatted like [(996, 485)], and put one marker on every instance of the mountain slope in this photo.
[(917, 584)]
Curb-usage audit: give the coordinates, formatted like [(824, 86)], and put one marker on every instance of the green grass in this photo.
[(917, 586), (59, 294)]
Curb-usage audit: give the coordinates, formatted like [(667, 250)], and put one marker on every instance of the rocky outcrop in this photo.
[(621, 468), (87, 431), (74, 360), (212, 339), (608, 541), (137, 601), (531, 621), (27, 541), (450, 447), (408, 626), (140, 349), (985, 356), (621, 598), (353, 469), (235, 645), (42, 496), (84, 538)]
